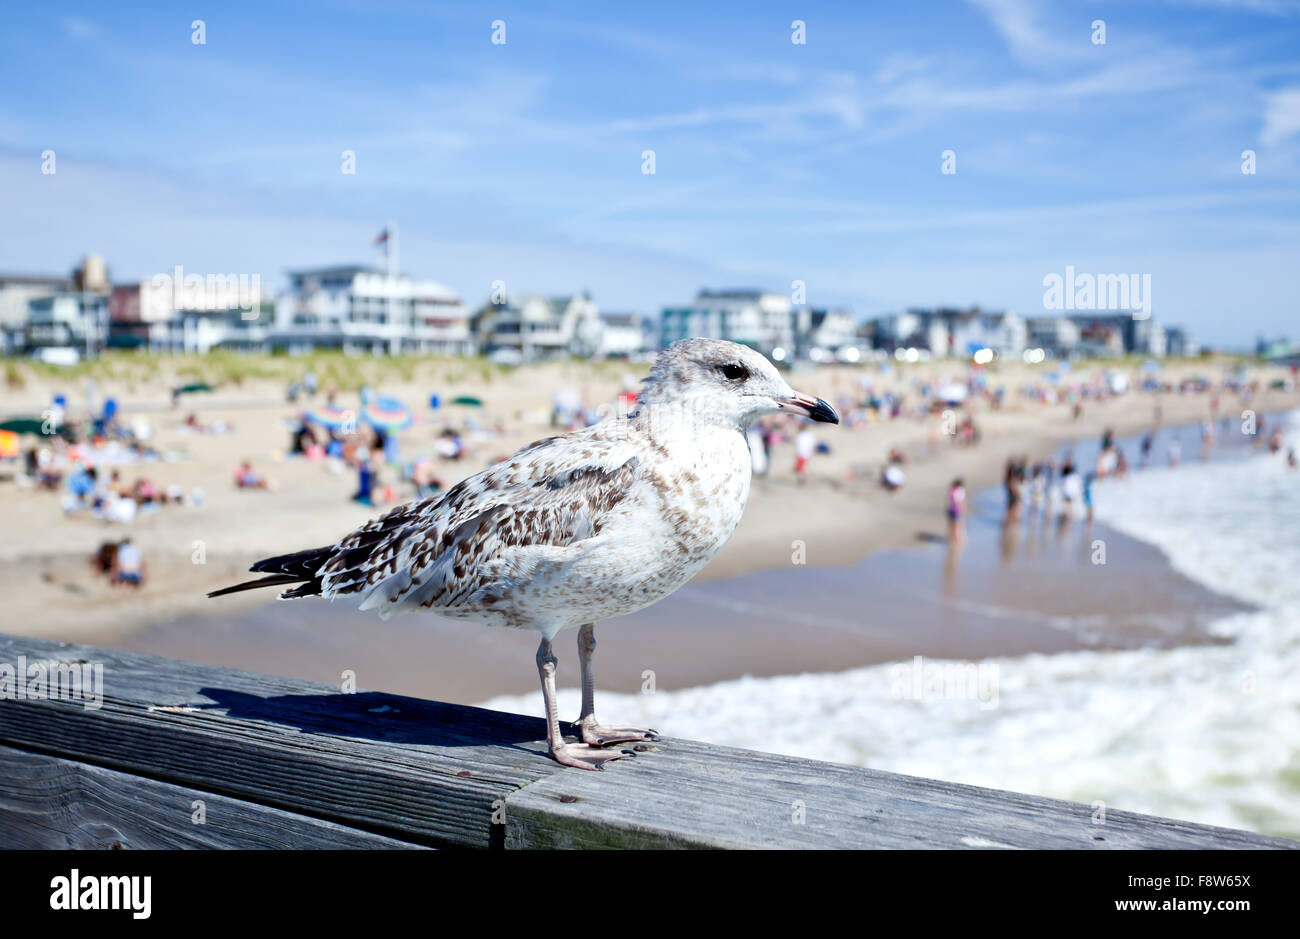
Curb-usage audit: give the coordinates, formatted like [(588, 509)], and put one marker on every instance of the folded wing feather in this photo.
[(489, 533)]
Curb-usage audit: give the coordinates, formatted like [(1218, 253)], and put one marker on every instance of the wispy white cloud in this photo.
[(1281, 116), (1019, 23)]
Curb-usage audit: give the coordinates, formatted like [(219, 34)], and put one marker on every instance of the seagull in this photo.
[(574, 528)]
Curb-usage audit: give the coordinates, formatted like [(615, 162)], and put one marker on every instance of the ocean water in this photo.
[(1209, 733)]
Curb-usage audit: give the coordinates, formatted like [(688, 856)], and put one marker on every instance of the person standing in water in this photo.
[(956, 513)]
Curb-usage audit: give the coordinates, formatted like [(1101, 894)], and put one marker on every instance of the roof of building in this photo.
[(622, 319), (337, 269), (733, 293), (35, 280)]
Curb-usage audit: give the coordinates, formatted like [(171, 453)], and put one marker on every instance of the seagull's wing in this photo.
[(486, 535)]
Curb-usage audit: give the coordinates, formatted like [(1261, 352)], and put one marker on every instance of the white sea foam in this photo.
[(1207, 733)]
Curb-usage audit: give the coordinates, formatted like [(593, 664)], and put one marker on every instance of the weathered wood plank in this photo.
[(415, 770), (691, 794), (47, 802), (433, 774)]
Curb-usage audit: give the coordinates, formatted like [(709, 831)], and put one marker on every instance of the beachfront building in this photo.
[(1179, 343), (756, 318), (40, 311), (1099, 337), (952, 332), (969, 331), (193, 312), (915, 329), (536, 327), (623, 336), (18, 290), (68, 320), (1057, 336), (365, 309), (824, 335), (1116, 334)]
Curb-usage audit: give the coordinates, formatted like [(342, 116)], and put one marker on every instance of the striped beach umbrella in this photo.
[(385, 413), (333, 418)]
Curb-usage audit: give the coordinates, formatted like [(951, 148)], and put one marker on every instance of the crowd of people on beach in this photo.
[(1052, 489), (84, 460), (372, 451)]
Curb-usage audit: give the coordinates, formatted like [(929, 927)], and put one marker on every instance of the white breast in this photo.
[(685, 507)]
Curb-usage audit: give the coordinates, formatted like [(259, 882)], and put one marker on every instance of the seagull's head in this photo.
[(727, 382)]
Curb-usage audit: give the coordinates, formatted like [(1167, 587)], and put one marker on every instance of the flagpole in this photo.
[(390, 255)]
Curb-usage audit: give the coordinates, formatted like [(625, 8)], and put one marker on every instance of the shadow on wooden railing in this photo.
[(186, 755)]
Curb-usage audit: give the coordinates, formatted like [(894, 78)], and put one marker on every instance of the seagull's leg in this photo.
[(580, 755), (592, 732)]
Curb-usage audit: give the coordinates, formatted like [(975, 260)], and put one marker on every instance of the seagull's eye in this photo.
[(733, 371)]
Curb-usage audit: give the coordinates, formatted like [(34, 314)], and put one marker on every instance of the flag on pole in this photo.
[(382, 237)]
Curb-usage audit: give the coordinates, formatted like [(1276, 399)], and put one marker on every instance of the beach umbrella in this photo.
[(387, 414), (468, 400), (27, 425), (333, 418), (193, 387)]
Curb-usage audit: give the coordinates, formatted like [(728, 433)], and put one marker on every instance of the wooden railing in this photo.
[(185, 755)]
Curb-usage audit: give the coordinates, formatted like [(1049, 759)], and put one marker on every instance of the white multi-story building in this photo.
[(76, 320), (535, 327), (622, 335), (37, 310), (755, 318), (1004, 333), (363, 309), (18, 290)]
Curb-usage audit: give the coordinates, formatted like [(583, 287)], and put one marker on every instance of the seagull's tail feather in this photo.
[(272, 581), (299, 568)]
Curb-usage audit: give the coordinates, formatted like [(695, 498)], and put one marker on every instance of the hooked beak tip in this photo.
[(823, 413), (812, 408)]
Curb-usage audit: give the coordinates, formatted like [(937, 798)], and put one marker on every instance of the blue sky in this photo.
[(774, 161)]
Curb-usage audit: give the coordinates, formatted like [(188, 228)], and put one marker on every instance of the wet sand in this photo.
[(1047, 598)]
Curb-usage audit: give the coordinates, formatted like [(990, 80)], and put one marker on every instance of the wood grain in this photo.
[(47, 802), (282, 761), (414, 770)]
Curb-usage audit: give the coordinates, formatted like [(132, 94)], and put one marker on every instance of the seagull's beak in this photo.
[(814, 408)]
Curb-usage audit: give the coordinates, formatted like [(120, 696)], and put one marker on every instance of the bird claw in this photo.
[(596, 735), (585, 756)]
